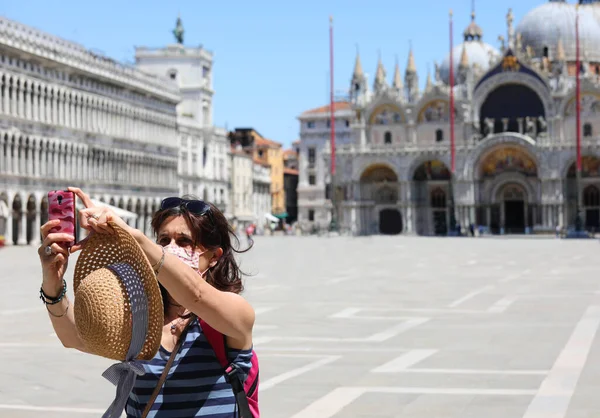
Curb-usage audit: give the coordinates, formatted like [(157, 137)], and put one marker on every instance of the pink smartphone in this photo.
[(61, 205)]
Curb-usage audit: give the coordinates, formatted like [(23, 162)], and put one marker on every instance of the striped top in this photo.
[(195, 385)]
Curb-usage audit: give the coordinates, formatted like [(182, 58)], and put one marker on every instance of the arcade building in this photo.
[(515, 136)]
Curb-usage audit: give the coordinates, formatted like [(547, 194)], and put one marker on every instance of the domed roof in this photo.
[(477, 52), (543, 26)]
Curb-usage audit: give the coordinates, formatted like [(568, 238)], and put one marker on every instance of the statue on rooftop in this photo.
[(178, 31)]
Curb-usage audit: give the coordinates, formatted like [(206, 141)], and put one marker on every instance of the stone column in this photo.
[(23, 226), (35, 239), (8, 236)]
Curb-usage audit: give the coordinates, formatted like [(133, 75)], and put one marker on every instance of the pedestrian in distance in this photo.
[(200, 284)]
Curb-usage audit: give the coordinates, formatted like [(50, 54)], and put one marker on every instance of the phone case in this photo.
[(61, 205)]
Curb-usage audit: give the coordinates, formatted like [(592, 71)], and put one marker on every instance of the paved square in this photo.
[(366, 327)]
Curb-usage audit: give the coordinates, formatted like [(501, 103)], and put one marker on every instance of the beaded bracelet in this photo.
[(48, 300)]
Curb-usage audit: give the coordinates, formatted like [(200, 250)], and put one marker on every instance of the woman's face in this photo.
[(175, 230)]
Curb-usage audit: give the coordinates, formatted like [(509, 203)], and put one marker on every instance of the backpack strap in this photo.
[(218, 343)]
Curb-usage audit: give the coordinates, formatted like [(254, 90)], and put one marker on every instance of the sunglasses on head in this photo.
[(197, 207)]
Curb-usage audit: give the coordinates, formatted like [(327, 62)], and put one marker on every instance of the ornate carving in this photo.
[(590, 167), (508, 159), (590, 105), (489, 127), (435, 111), (432, 170), (386, 115), (530, 127), (510, 63), (543, 125), (438, 77)]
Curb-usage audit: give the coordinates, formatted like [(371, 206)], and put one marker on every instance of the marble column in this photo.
[(8, 236), (23, 227), (35, 239)]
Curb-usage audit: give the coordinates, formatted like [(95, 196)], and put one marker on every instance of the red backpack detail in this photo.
[(246, 393)]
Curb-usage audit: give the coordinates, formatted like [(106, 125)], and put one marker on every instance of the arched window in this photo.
[(172, 74), (438, 198), (591, 196), (439, 135), (387, 138), (587, 129), (545, 52)]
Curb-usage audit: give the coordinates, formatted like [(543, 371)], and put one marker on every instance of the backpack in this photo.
[(246, 393)]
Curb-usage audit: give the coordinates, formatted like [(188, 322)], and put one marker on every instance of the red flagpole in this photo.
[(452, 145), (578, 91), (331, 101)]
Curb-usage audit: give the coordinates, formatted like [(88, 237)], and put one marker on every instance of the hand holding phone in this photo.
[(61, 206)]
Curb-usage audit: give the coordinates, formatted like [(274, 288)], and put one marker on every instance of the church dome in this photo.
[(477, 52), (543, 26)]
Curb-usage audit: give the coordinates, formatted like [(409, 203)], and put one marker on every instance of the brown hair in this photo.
[(210, 231)]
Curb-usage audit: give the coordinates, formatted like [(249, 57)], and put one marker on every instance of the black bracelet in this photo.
[(48, 300)]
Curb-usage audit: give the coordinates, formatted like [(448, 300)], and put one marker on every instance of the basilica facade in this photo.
[(515, 136)]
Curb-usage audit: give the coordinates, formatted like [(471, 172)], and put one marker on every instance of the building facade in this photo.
[(515, 136), (261, 192), (69, 116), (203, 148), (241, 175)]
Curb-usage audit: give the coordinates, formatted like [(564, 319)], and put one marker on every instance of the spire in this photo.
[(358, 71), (428, 82), (560, 51), (380, 75), (411, 68), (178, 31), (464, 58), (397, 83)]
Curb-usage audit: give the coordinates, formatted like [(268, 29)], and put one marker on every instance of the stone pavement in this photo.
[(366, 327)]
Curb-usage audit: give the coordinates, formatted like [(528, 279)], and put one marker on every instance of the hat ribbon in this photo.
[(124, 374)]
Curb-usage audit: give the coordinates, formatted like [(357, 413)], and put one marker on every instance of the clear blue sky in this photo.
[(272, 57)]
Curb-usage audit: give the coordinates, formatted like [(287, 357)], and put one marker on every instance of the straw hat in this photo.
[(103, 309)]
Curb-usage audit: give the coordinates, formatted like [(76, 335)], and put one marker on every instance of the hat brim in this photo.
[(102, 250)]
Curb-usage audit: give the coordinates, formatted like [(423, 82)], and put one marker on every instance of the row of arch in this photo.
[(55, 48), (35, 156), (39, 101), (22, 215)]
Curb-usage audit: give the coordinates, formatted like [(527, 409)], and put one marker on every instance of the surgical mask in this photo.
[(189, 257)]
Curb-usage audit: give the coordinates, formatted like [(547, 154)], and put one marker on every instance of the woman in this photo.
[(199, 278)]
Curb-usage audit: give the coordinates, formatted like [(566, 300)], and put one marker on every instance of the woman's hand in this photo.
[(95, 219), (55, 261)]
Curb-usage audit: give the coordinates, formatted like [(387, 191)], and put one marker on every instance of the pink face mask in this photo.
[(191, 258)]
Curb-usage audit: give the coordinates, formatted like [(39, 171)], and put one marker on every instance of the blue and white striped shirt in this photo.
[(195, 385)]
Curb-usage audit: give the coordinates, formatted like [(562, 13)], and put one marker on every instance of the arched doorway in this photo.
[(510, 115), (390, 222), (513, 200), (591, 207), (507, 176), (430, 188), (438, 206), (590, 185), (379, 186)]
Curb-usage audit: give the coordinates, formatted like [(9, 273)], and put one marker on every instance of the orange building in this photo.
[(268, 152)]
